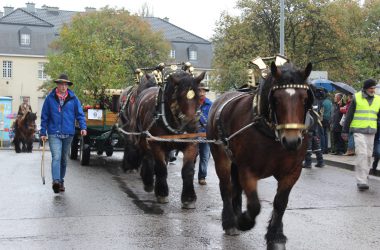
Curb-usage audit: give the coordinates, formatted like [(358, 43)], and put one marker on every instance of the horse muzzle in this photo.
[(290, 135)]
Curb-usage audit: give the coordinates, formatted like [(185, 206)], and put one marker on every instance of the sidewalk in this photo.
[(341, 161)]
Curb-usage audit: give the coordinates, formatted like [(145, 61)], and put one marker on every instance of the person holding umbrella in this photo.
[(59, 112)]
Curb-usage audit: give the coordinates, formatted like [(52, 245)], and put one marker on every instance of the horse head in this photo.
[(31, 119), (182, 97), (289, 100)]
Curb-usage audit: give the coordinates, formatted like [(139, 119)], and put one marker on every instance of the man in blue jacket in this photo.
[(59, 112), (204, 148)]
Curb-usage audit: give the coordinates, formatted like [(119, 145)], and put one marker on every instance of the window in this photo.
[(25, 39), (193, 53), (172, 54), (7, 69), (41, 71)]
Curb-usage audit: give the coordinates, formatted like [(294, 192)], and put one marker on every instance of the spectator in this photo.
[(351, 144), (204, 148), (362, 119), (376, 148), (326, 119), (336, 128), (59, 112)]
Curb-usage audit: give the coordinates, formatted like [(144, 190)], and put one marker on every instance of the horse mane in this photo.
[(289, 74), (147, 80)]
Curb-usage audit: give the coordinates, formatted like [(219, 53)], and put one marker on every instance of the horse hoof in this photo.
[(148, 188), (276, 246), (162, 199), (232, 231), (188, 205)]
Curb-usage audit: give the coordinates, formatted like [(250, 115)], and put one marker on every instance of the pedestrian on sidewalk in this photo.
[(362, 119), (314, 134), (204, 148), (376, 148), (351, 144), (59, 112), (336, 128)]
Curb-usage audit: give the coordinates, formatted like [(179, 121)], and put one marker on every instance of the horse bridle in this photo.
[(277, 126)]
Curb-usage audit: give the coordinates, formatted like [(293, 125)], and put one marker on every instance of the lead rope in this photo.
[(43, 163)]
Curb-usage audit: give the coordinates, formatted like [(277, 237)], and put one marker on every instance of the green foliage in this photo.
[(339, 36), (100, 50)]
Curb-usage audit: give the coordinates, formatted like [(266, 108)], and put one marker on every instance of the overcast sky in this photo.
[(196, 16)]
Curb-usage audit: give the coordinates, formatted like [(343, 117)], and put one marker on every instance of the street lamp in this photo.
[(282, 21)]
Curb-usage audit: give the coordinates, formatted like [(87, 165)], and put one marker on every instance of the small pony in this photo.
[(261, 135), (24, 132)]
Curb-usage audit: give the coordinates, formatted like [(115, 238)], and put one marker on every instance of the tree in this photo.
[(339, 36), (100, 50)]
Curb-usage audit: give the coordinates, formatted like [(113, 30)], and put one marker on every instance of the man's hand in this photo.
[(83, 132), (43, 138), (344, 136)]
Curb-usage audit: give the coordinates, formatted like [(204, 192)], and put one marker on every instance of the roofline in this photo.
[(21, 55), (27, 24), (180, 28), (48, 24), (174, 41)]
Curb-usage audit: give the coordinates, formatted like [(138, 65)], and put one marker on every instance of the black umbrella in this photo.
[(343, 87)]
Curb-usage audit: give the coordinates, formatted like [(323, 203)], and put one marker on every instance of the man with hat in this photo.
[(204, 148), (59, 112), (361, 120)]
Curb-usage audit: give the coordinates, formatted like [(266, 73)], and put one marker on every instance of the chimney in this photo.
[(31, 7), (166, 19), (90, 9), (7, 10), (52, 9)]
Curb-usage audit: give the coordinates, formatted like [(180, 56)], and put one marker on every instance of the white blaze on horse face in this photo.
[(290, 92)]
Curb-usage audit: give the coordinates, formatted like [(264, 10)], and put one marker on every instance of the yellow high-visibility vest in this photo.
[(365, 115)]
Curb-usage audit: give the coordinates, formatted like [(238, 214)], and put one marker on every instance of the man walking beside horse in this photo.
[(59, 112)]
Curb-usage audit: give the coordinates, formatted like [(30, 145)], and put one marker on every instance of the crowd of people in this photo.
[(348, 125)]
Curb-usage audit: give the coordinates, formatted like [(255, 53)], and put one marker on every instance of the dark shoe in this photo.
[(319, 165), (362, 186), (62, 187), (56, 186), (202, 182), (306, 165)]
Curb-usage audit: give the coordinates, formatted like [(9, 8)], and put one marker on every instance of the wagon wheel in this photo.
[(74, 148), (99, 152), (85, 152)]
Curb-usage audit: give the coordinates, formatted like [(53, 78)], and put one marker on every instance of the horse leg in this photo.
[(23, 145), (147, 172), (223, 170), (188, 196), (248, 181), (29, 146), (236, 190), (16, 142), (275, 237), (131, 158), (161, 188)]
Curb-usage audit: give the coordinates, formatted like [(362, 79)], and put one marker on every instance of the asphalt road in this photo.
[(104, 208)]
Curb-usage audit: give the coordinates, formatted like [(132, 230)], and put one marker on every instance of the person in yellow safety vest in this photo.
[(361, 120)]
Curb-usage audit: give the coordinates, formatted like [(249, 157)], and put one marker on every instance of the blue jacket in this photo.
[(55, 122), (205, 108)]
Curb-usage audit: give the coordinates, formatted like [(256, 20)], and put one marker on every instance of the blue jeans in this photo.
[(351, 142), (204, 156), (59, 148)]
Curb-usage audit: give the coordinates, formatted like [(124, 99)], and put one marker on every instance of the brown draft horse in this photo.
[(171, 109), (271, 145), (24, 134)]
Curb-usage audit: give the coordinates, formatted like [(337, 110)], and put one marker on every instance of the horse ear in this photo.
[(307, 71), (276, 73), (199, 78)]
